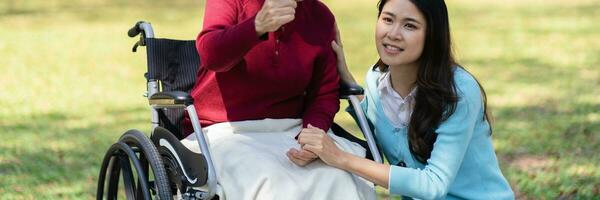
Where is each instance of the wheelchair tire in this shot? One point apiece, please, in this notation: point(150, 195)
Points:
point(133, 148)
point(137, 139)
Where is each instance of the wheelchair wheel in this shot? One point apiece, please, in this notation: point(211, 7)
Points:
point(133, 148)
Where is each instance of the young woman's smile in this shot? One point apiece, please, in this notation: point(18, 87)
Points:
point(392, 49)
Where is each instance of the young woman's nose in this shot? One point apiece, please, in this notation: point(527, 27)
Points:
point(395, 32)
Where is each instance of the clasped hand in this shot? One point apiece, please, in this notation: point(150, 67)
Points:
point(315, 143)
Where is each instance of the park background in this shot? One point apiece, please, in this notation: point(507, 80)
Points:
point(70, 86)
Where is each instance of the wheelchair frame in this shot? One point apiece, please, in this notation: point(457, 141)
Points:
point(133, 142)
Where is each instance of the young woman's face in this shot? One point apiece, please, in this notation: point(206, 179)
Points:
point(400, 33)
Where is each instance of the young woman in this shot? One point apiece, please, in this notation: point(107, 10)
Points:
point(428, 113)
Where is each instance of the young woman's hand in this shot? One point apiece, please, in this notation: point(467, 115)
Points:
point(315, 140)
point(338, 48)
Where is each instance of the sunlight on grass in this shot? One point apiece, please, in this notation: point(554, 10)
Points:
point(71, 86)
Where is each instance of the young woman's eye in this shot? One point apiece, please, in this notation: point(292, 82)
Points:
point(410, 26)
point(387, 20)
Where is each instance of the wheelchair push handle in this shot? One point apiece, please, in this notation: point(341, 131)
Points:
point(134, 31)
point(145, 29)
point(141, 27)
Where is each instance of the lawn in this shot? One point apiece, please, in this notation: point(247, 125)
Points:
point(70, 86)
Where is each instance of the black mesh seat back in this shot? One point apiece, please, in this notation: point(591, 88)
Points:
point(175, 63)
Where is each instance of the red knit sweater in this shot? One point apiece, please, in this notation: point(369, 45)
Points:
point(291, 73)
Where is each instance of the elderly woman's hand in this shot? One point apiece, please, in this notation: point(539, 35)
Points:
point(301, 157)
point(274, 14)
point(317, 141)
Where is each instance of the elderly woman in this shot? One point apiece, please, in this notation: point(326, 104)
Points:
point(268, 71)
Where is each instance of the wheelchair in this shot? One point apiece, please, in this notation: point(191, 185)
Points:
point(159, 166)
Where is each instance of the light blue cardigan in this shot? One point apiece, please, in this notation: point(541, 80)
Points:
point(462, 165)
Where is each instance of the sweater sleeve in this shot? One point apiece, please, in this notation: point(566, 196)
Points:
point(224, 41)
point(323, 91)
point(454, 135)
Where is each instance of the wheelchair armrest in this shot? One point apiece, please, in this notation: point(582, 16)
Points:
point(171, 99)
point(348, 89)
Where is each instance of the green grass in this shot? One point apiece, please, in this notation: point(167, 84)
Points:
point(70, 86)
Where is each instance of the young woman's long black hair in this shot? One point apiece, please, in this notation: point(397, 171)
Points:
point(436, 97)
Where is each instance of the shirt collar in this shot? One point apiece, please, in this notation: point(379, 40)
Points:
point(385, 87)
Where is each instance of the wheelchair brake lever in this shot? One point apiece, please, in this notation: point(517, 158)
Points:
point(135, 46)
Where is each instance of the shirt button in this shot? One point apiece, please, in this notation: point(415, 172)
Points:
point(276, 52)
point(277, 41)
point(401, 164)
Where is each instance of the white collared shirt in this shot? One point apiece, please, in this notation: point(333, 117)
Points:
point(397, 109)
